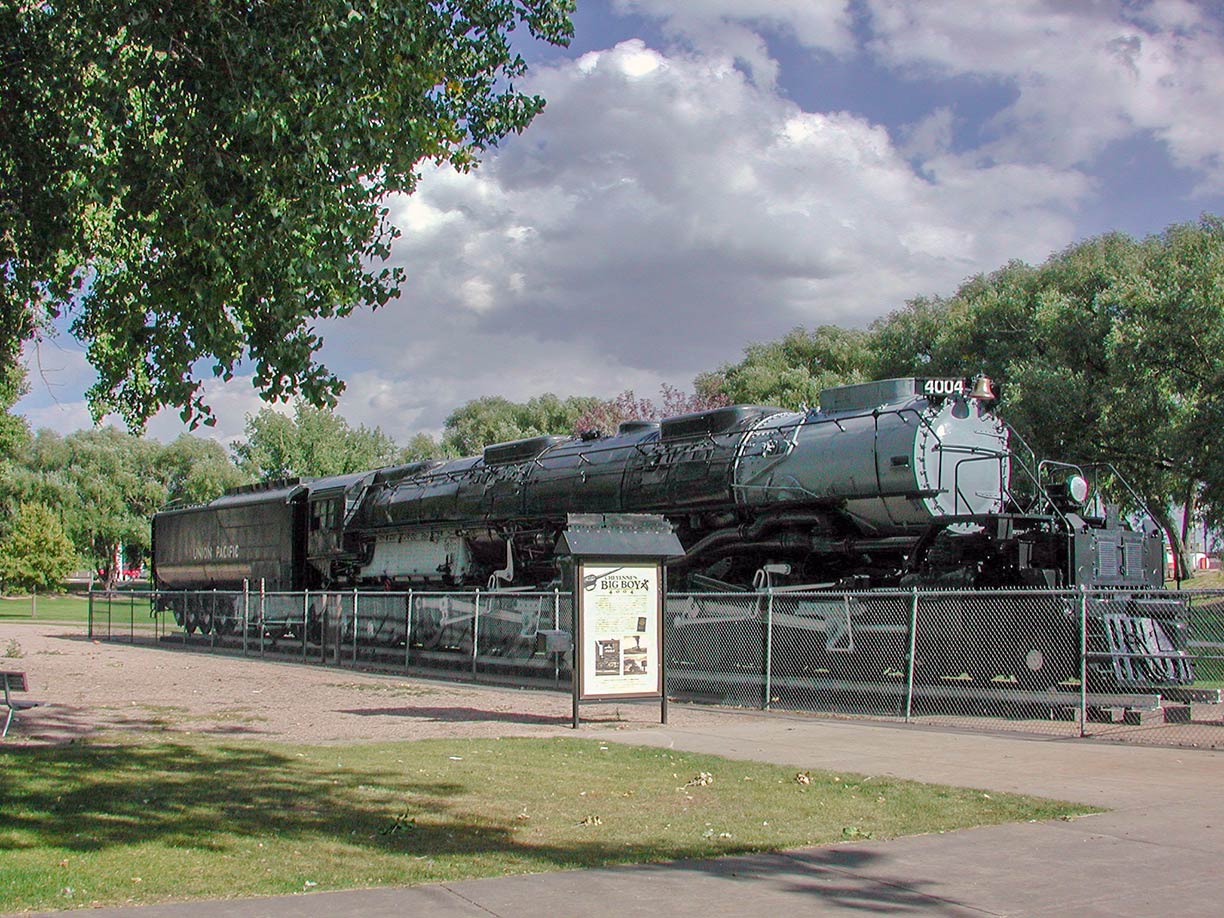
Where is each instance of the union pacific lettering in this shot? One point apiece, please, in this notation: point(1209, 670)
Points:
point(226, 552)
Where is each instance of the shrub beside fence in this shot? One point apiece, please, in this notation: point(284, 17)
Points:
point(1140, 667)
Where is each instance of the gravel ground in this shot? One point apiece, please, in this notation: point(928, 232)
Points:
point(93, 689)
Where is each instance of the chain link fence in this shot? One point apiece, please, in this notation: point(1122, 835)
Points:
point(1135, 667)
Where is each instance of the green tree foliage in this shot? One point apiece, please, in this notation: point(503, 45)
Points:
point(37, 554)
point(1167, 343)
point(1111, 351)
point(313, 442)
point(195, 470)
point(201, 180)
point(792, 371)
point(102, 483)
point(982, 328)
point(422, 446)
point(494, 419)
point(14, 432)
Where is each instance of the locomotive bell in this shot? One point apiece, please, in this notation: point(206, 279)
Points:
point(983, 388)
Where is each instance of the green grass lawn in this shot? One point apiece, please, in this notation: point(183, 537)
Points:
point(142, 823)
point(71, 608)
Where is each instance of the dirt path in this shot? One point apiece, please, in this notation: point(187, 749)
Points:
point(94, 689)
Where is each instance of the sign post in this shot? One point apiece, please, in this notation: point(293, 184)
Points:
point(620, 585)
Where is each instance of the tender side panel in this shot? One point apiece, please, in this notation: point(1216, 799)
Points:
point(219, 545)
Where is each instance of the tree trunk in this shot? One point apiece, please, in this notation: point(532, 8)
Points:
point(1181, 563)
point(112, 566)
point(1191, 507)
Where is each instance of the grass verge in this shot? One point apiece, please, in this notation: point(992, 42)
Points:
point(115, 615)
point(130, 824)
point(71, 608)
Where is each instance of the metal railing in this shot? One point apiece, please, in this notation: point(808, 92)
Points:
point(1138, 667)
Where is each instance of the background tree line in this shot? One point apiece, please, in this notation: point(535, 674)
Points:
point(1110, 351)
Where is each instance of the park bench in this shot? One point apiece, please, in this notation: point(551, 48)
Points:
point(14, 682)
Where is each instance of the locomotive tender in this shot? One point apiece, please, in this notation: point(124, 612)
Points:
point(894, 483)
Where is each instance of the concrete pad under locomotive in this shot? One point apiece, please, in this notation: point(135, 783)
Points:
point(896, 483)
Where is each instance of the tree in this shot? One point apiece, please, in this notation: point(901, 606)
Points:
point(14, 432)
point(494, 419)
point(314, 442)
point(608, 416)
point(984, 327)
point(196, 470)
point(201, 180)
point(792, 371)
point(1108, 352)
point(37, 554)
point(422, 446)
point(103, 484)
point(1168, 342)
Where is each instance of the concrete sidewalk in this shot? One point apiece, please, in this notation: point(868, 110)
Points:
point(1160, 850)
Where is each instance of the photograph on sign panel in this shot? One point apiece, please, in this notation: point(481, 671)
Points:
point(607, 657)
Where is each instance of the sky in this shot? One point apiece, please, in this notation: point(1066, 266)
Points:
point(711, 173)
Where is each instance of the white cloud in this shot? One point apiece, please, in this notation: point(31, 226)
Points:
point(1086, 75)
point(664, 211)
point(732, 28)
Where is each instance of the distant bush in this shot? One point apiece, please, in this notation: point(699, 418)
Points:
point(37, 554)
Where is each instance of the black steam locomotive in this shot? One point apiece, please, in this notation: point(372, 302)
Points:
point(896, 483)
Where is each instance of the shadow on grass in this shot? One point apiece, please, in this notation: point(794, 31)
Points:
point(91, 798)
point(102, 799)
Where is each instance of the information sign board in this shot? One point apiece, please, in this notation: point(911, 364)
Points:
point(620, 630)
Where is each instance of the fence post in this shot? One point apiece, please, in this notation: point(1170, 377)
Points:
point(1083, 660)
point(557, 627)
point(246, 613)
point(909, 657)
point(476, 632)
point(407, 629)
point(131, 618)
point(768, 648)
point(354, 627)
point(90, 614)
point(212, 622)
point(305, 620)
point(324, 623)
point(263, 614)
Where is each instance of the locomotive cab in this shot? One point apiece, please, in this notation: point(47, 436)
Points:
point(331, 505)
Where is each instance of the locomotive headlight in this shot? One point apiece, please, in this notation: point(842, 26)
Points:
point(1070, 494)
point(1077, 489)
